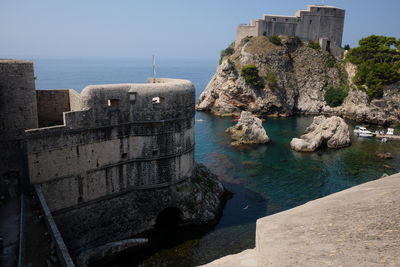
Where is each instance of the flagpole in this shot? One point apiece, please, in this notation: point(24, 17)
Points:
point(154, 69)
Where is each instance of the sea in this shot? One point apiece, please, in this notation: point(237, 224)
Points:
point(264, 179)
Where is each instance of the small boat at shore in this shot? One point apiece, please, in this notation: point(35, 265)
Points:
point(362, 131)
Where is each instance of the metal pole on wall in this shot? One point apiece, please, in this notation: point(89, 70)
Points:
point(154, 69)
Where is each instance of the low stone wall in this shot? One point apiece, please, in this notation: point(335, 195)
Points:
point(61, 249)
point(359, 226)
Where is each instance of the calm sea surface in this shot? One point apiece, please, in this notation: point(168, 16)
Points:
point(265, 179)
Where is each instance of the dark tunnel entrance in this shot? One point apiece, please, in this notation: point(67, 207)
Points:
point(168, 219)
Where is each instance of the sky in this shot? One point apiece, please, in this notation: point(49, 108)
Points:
point(171, 29)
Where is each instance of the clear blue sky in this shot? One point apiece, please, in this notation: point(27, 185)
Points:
point(167, 28)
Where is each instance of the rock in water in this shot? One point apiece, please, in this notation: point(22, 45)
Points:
point(248, 130)
point(384, 155)
point(330, 132)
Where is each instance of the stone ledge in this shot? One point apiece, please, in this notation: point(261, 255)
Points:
point(246, 258)
point(359, 226)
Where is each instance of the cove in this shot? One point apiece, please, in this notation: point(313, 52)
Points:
point(265, 179)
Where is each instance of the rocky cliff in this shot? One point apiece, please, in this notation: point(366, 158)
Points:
point(293, 78)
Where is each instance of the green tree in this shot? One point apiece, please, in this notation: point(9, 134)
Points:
point(334, 97)
point(227, 52)
point(378, 61)
point(250, 74)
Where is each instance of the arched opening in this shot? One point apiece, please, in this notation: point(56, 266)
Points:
point(169, 218)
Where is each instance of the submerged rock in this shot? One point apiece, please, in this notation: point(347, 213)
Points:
point(384, 155)
point(330, 132)
point(248, 130)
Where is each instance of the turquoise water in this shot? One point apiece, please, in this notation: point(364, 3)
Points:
point(265, 179)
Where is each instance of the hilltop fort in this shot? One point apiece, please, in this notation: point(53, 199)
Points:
point(322, 24)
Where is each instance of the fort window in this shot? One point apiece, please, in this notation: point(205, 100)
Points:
point(113, 102)
point(132, 96)
point(157, 100)
point(273, 19)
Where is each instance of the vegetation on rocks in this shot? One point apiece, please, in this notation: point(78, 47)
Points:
point(250, 74)
point(227, 52)
point(378, 61)
point(272, 80)
point(314, 45)
point(334, 96)
point(330, 60)
point(275, 39)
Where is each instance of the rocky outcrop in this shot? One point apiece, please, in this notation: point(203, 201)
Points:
point(248, 130)
point(384, 111)
point(330, 132)
point(302, 75)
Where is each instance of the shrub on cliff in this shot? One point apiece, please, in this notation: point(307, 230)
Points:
point(378, 61)
point(275, 39)
point(250, 74)
point(227, 52)
point(314, 45)
point(272, 80)
point(334, 97)
point(329, 60)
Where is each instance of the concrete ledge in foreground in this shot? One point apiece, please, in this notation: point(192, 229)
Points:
point(359, 226)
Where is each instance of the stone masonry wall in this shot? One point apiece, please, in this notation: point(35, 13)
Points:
point(122, 142)
point(117, 143)
point(309, 25)
point(17, 113)
point(51, 105)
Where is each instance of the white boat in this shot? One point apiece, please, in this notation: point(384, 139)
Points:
point(357, 129)
point(363, 132)
point(390, 131)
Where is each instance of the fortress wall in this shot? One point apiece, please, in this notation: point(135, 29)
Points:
point(320, 22)
point(309, 25)
point(245, 30)
point(109, 163)
point(73, 174)
point(18, 112)
point(51, 104)
point(121, 216)
point(18, 109)
point(85, 159)
point(75, 100)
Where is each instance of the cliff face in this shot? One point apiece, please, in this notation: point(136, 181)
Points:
point(293, 78)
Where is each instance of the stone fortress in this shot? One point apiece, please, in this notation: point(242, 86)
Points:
point(107, 161)
point(319, 23)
